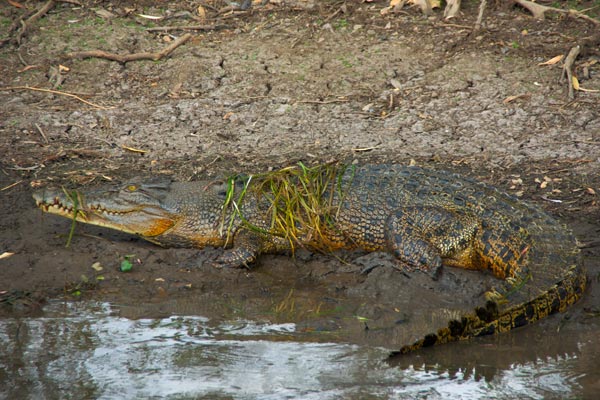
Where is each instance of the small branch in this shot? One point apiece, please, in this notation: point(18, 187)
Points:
point(452, 8)
point(186, 28)
point(425, 6)
point(321, 101)
point(27, 19)
point(42, 133)
point(9, 186)
point(482, 6)
point(447, 25)
point(55, 92)
point(539, 10)
point(568, 69)
point(132, 57)
point(41, 12)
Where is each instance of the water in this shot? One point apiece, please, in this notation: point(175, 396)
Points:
point(80, 351)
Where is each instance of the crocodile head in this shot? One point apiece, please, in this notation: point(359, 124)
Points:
point(137, 208)
point(183, 214)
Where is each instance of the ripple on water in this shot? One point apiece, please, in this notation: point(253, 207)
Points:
point(87, 351)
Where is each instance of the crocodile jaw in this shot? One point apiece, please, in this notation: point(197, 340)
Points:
point(143, 220)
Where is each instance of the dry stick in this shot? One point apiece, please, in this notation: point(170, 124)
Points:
point(321, 101)
point(452, 8)
point(132, 57)
point(186, 28)
point(568, 69)
point(41, 12)
point(482, 6)
point(447, 25)
point(55, 92)
point(425, 6)
point(11, 185)
point(538, 11)
point(42, 133)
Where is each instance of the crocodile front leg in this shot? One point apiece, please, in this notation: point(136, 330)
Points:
point(422, 236)
point(247, 245)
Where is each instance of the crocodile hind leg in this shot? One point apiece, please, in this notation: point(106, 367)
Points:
point(423, 237)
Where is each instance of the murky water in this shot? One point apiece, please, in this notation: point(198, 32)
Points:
point(85, 351)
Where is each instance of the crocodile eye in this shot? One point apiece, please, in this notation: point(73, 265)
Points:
point(132, 188)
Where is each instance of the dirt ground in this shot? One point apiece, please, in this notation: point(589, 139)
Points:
point(266, 88)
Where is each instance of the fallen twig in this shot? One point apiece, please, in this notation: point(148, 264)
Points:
point(447, 25)
point(452, 8)
point(482, 6)
point(539, 10)
point(11, 185)
point(41, 12)
point(132, 57)
point(321, 101)
point(568, 69)
point(42, 133)
point(186, 28)
point(55, 92)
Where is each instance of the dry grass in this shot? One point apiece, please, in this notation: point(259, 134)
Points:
point(300, 199)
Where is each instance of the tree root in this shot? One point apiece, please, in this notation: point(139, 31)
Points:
point(539, 11)
point(132, 57)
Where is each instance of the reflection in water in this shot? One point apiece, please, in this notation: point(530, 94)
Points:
point(76, 352)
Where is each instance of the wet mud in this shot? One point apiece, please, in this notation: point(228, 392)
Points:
point(276, 86)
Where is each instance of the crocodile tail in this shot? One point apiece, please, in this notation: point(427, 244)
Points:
point(488, 320)
point(555, 299)
point(542, 274)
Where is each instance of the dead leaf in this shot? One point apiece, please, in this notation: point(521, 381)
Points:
point(515, 183)
point(543, 185)
point(6, 254)
point(101, 12)
point(590, 190)
point(15, 4)
point(201, 13)
point(27, 68)
point(395, 5)
point(97, 267)
point(575, 82)
point(516, 97)
point(153, 17)
point(553, 60)
point(133, 150)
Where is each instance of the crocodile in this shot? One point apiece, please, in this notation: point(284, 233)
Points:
point(427, 218)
